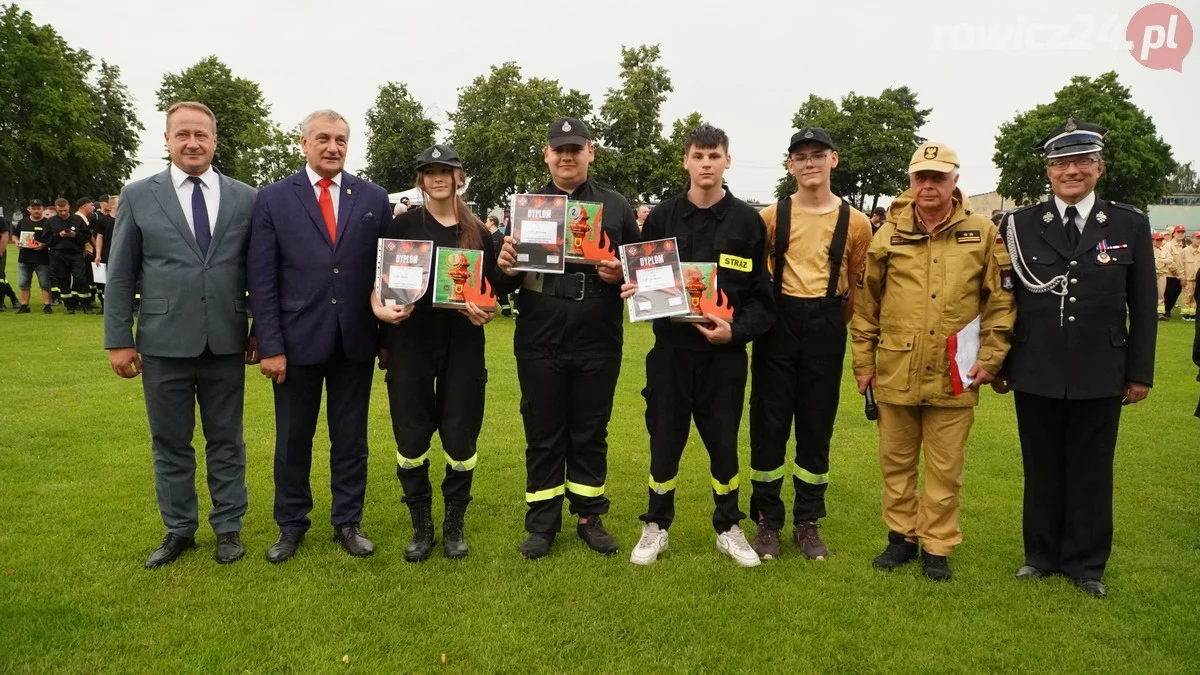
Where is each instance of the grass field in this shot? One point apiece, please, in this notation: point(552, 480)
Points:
point(78, 517)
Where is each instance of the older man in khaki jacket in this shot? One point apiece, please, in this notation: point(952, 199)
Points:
point(934, 271)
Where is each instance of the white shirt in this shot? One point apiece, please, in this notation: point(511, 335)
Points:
point(1084, 207)
point(335, 190)
point(210, 185)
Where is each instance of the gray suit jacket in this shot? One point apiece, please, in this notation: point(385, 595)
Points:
point(188, 300)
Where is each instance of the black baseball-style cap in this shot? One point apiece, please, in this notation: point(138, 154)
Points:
point(811, 135)
point(439, 154)
point(567, 131)
point(35, 202)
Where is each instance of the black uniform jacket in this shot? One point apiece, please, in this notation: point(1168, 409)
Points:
point(1105, 337)
point(728, 228)
point(417, 335)
point(551, 326)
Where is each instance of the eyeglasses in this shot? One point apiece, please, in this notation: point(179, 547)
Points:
point(1064, 162)
point(817, 159)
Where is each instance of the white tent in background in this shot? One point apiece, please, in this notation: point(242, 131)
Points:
point(414, 196)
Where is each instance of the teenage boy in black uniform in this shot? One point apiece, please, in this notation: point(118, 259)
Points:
point(568, 348)
point(34, 259)
point(68, 268)
point(698, 371)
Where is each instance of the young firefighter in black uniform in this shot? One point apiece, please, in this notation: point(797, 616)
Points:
point(1083, 347)
point(568, 348)
point(68, 268)
point(698, 371)
point(434, 360)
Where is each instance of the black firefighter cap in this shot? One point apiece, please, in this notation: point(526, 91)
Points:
point(567, 131)
point(1073, 138)
point(811, 135)
point(439, 154)
point(35, 202)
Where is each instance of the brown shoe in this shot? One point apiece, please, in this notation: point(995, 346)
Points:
point(808, 539)
point(766, 542)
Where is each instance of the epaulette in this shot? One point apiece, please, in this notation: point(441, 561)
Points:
point(1128, 207)
point(1025, 208)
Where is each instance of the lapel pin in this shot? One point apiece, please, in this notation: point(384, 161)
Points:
point(348, 191)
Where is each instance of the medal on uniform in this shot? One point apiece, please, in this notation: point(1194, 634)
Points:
point(1103, 257)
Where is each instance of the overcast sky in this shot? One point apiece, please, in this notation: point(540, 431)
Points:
point(746, 66)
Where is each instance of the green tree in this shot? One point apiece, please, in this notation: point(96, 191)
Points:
point(243, 125)
point(48, 121)
point(669, 174)
point(875, 137)
point(629, 128)
point(500, 129)
point(1183, 180)
point(397, 131)
point(1137, 160)
point(118, 127)
point(279, 156)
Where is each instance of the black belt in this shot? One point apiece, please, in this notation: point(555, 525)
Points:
point(835, 301)
point(576, 286)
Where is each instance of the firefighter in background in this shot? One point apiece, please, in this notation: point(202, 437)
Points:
point(1191, 266)
point(436, 374)
point(932, 270)
point(1162, 269)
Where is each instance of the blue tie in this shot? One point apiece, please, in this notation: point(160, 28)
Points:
point(200, 215)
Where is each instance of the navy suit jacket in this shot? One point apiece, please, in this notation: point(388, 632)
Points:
point(304, 288)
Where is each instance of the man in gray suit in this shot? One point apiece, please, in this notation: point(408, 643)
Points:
point(183, 234)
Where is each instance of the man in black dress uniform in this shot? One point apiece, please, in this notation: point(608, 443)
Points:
point(1083, 346)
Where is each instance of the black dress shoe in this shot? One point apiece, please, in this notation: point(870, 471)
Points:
point(285, 546)
point(172, 547)
point(1031, 572)
point(1093, 587)
point(352, 538)
point(229, 548)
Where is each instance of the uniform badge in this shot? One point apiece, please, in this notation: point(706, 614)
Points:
point(808, 134)
point(931, 152)
point(348, 191)
point(1100, 217)
point(1006, 281)
point(435, 154)
point(1071, 126)
point(1048, 218)
point(566, 126)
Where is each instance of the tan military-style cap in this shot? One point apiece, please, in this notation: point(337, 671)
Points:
point(933, 156)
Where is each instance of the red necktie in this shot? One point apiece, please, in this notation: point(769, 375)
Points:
point(326, 203)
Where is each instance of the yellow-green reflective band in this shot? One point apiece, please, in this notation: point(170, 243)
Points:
point(768, 476)
point(725, 488)
point(585, 490)
point(406, 463)
point(662, 488)
point(810, 477)
point(543, 495)
point(465, 465)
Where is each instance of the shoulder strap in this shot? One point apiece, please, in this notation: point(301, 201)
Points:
point(837, 248)
point(783, 234)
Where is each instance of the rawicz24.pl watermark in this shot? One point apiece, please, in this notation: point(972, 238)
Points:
point(1157, 36)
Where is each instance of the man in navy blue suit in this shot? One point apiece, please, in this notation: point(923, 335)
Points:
point(311, 268)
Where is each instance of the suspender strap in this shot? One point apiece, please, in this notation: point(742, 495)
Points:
point(837, 248)
point(783, 235)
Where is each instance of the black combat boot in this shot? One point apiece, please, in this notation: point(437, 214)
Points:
point(454, 542)
point(422, 540)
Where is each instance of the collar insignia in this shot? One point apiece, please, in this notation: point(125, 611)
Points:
point(1048, 217)
point(1101, 217)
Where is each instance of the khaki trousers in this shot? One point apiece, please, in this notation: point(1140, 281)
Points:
point(932, 516)
point(1162, 290)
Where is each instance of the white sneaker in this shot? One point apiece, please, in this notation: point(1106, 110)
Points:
point(653, 542)
point(735, 545)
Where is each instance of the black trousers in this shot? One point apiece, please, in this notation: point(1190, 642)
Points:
point(439, 388)
point(566, 403)
point(797, 379)
point(297, 404)
point(1067, 449)
point(1171, 294)
point(708, 386)
point(69, 273)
